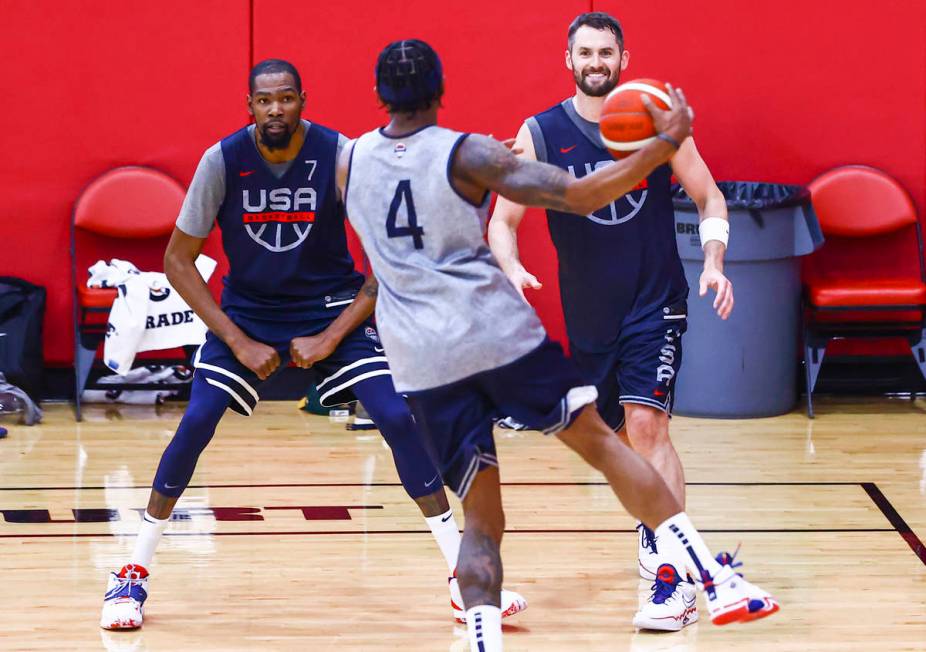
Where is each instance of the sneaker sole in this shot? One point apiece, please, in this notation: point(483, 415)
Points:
point(121, 625)
point(668, 624)
point(514, 608)
point(770, 607)
point(733, 613)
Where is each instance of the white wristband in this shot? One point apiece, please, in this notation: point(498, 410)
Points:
point(714, 228)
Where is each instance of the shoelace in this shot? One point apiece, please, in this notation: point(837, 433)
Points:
point(649, 538)
point(726, 559)
point(662, 591)
point(125, 590)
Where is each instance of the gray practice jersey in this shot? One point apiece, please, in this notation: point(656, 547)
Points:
point(445, 309)
point(207, 190)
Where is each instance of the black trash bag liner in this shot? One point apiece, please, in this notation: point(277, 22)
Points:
point(750, 195)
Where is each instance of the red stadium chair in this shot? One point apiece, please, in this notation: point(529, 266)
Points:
point(855, 203)
point(128, 213)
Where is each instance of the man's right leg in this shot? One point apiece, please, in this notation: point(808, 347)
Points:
point(127, 589)
point(644, 494)
point(479, 569)
point(639, 488)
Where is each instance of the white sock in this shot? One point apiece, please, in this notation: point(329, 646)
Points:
point(682, 546)
point(148, 536)
point(447, 534)
point(484, 624)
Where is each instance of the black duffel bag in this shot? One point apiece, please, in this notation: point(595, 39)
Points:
point(22, 308)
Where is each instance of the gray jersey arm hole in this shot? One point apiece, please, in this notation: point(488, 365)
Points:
point(342, 141)
point(205, 195)
point(540, 143)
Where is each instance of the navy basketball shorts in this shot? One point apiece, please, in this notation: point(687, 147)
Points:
point(542, 389)
point(359, 356)
point(642, 366)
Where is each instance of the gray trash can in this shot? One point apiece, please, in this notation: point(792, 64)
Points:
point(746, 366)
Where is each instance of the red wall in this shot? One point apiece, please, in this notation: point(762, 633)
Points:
point(781, 92)
point(97, 84)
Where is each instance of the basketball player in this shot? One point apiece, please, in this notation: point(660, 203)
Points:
point(271, 187)
point(621, 280)
point(465, 347)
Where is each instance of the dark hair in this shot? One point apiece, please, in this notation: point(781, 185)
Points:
point(596, 20)
point(409, 76)
point(271, 66)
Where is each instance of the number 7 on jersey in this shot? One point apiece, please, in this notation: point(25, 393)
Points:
point(403, 195)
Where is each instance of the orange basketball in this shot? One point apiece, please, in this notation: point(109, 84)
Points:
point(625, 124)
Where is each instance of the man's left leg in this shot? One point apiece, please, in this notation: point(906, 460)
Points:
point(421, 479)
point(672, 604)
point(649, 360)
point(648, 432)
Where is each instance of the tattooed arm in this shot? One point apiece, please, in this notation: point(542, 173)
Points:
point(483, 163)
point(308, 350)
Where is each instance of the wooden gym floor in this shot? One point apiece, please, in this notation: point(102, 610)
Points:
point(297, 535)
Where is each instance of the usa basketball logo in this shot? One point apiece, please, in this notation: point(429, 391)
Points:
point(630, 204)
point(372, 334)
point(399, 150)
point(288, 221)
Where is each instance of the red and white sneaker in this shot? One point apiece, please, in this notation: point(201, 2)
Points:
point(511, 603)
point(124, 602)
point(672, 605)
point(761, 603)
point(731, 599)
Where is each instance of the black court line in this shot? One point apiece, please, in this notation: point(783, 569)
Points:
point(399, 484)
point(897, 522)
point(83, 535)
point(895, 519)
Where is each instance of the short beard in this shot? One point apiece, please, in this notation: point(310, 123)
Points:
point(595, 91)
point(274, 142)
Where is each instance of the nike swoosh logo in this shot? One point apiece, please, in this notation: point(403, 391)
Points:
point(566, 150)
point(378, 350)
point(170, 486)
point(448, 517)
point(245, 174)
point(433, 480)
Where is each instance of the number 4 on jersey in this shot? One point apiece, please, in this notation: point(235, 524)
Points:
point(403, 194)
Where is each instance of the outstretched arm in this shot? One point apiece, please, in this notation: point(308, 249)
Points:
point(483, 162)
point(503, 227)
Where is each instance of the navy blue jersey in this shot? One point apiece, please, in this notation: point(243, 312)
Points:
point(284, 237)
point(619, 264)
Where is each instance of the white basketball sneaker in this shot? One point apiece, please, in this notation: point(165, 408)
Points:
point(511, 602)
point(730, 598)
point(124, 602)
point(646, 553)
point(761, 603)
point(672, 605)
